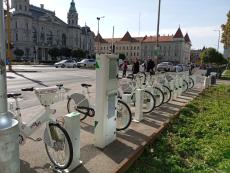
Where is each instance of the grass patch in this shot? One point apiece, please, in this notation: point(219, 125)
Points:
point(226, 75)
point(197, 142)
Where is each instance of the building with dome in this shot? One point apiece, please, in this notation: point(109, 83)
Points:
point(35, 30)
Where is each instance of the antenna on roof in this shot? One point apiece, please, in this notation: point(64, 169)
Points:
point(139, 29)
point(112, 49)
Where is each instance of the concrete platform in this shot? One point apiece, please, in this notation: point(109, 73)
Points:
point(118, 156)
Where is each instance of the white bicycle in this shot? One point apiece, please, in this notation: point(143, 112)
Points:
point(58, 144)
point(82, 103)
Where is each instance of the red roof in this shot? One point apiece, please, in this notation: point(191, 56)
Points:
point(154, 39)
point(127, 38)
point(178, 34)
point(187, 39)
point(99, 38)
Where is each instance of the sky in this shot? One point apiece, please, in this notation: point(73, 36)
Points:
point(200, 18)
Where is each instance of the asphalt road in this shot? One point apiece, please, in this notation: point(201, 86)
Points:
point(42, 76)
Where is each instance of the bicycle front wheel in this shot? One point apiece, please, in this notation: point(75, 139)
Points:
point(158, 95)
point(59, 147)
point(167, 94)
point(124, 116)
point(184, 86)
point(149, 102)
point(191, 83)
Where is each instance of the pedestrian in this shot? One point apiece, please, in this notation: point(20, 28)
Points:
point(136, 67)
point(125, 66)
point(145, 64)
point(150, 66)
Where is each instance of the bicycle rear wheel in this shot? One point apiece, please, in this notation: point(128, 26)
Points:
point(77, 102)
point(124, 115)
point(61, 152)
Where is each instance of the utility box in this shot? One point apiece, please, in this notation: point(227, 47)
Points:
point(106, 99)
point(72, 125)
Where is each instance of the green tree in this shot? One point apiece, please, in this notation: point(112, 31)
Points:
point(66, 52)
point(18, 52)
point(226, 32)
point(54, 53)
point(122, 56)
point(79, 54)
point(212, 56)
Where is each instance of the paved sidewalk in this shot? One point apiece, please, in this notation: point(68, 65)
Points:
point(116, 157)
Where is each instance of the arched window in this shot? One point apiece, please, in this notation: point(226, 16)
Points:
point(63, 40)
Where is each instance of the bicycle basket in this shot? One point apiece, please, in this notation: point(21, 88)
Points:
point(50, 95)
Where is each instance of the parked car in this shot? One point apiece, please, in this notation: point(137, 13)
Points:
point(86, 63)
point(178, 68)
point(66, 63)
point(183, 67)
point(165, 66)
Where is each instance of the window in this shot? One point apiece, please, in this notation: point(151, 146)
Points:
point(137, 47)
point(20, 7)
point(134, 47)
point(63, 40)
point(134, 54)
point(137, 53)
point(16, 36)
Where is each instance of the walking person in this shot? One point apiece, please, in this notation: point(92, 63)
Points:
point(150, 66)
point(125, 66)
point(136, 67)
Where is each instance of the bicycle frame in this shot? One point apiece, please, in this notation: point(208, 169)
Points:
point(27, 129)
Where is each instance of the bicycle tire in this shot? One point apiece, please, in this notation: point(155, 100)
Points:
point(69, 160)
point(129, 116)
point(162, 94)
point(191, 81)
point(186, 84)
point(151, 98)
point(169, 92)
point(83, 114)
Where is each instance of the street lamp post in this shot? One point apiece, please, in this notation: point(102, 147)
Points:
point(158, 28)
point(9, 130)
point(218, 44)
point(98, 27)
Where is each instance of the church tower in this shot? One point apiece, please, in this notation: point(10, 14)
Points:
point(72, 15)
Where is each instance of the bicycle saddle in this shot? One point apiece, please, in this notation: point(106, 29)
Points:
point(13, 95)
point(85, 85)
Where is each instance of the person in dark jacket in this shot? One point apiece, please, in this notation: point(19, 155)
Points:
point(136, 67)
point(150, 66)
point(125, 66)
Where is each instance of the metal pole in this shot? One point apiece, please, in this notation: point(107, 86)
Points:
point(158, 27)
point(9, 131)
point(218, 41)
point(98, 20)
point(218, 44)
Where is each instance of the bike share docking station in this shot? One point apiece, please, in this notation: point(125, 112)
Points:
point(106, 99)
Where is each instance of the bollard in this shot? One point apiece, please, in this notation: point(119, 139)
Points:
point(9, 146)
point(72, 126)
point(139, 103)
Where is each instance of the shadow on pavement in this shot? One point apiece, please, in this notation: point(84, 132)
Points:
point(25, 167)
point(32, 80)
